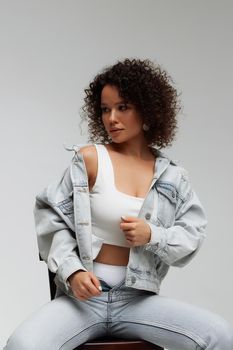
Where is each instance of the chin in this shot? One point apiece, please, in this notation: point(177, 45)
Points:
point(115, 140)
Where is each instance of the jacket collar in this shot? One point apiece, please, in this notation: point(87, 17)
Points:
point(162, 162)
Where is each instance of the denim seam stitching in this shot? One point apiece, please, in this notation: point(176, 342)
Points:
point(200, 342)
point(83, 330)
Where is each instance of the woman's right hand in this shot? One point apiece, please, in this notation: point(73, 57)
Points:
point(84, 285)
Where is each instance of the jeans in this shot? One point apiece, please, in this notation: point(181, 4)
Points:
point(66, 322)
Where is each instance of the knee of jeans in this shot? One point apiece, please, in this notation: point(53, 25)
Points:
point(19, 341)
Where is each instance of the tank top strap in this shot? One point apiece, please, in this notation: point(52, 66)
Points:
point(105, 175)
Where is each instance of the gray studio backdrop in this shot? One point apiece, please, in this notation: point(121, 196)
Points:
point(50, 50)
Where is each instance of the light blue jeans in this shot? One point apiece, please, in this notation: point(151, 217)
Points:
point(123, 312)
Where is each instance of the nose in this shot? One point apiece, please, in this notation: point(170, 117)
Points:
point(113, 115)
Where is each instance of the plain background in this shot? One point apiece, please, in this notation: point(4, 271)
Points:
point(50, 50)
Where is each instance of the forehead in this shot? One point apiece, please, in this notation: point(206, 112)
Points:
point(110, 94)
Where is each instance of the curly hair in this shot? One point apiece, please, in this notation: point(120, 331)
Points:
point(145, 85)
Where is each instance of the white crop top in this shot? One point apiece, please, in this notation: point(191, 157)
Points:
point(108, 204)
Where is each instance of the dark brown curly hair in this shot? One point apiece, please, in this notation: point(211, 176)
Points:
point(144, 84)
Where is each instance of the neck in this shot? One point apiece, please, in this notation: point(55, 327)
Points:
point(135, 149)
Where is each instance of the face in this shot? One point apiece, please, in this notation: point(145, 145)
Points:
point(121, 119)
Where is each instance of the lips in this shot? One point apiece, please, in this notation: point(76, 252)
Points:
point(112, 130)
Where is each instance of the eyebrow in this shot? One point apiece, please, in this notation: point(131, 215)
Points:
point(117, 103)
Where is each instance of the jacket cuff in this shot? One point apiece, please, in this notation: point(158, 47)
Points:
point(66, 269)
point(157, 240)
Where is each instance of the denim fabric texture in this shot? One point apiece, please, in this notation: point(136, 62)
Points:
point(133, 308)
point(122, 312)
point(66, 243)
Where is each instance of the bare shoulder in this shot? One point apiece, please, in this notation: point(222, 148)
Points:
point(90, 158)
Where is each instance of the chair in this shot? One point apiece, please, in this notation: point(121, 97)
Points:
point(107, 343)
point(117, 344)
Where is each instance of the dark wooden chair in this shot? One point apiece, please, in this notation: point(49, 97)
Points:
point(118, 344)
point(108, 343)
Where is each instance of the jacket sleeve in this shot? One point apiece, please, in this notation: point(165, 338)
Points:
point(178, 244)
point(56, 237)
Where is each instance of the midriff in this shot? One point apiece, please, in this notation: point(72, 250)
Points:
point(113, 255)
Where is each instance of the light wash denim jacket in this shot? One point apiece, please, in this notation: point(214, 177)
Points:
point(171, 208)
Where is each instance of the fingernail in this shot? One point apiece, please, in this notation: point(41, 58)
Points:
point(123, 217)
point(100, 288)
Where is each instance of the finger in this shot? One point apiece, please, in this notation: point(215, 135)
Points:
point(93, 290)
point(87, 286)
point(85, 292)
point(131, 244)
point(95, 282)
point(126, 229)
point(127, 226)
point(80, 295)
point(129, 234)
point(129, 218)
point(87, 289)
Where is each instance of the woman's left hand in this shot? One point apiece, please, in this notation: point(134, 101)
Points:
point(137, 231)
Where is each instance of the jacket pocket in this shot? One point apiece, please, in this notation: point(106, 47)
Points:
point(67, 207)
point(167, 202)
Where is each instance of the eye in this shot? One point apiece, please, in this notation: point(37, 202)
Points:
point(123, 107)
point(104, 110)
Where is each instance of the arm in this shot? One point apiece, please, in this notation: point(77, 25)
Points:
point(177, 234)
point(178, 244)
point(56, 238)
point(54, 219)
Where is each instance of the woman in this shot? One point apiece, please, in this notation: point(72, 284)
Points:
point(119, 217)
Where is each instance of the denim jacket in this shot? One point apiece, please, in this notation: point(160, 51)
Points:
point(171, 208)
